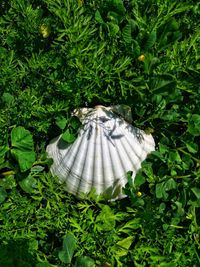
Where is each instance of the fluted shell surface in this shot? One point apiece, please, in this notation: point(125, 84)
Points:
point(106, 148)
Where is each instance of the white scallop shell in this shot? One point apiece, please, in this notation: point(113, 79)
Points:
point(106, 148)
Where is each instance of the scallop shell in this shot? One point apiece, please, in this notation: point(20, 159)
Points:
point(107, 147)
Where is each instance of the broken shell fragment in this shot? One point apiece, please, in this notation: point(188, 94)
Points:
point(107, 147)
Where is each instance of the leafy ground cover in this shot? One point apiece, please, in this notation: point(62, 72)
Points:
point(57, 55)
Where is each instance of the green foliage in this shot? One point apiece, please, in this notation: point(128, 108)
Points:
point(69, 244)
point(18, 253)
point(194, 125)
point(71, 132)
point(3, 194)
point(22, 148)
point(84, 262)
point(28, 184)
point(57, 56)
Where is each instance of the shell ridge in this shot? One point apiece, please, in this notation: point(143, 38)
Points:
point(143, 143)
point(98, 156)
point(108, 137)
point(95, 153)
point(81, 159)
point(107, 132)
point(144, 151)
point(129, 161)
point(83, 166)
point(112, 163)
point(149, 141)
point(122, 165)
point(107, 161)
point(138, 134)
point(130, 145)
point(129, 164)
point(67, 169)
point(116, 166)
point(103, 148)
point(88, 170)
point(71, 157)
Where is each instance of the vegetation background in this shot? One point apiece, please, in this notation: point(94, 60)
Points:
point(57, 55)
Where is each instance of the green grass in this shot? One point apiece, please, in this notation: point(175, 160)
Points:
point(57, 55)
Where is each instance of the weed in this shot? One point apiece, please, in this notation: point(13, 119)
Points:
point(60, 55)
